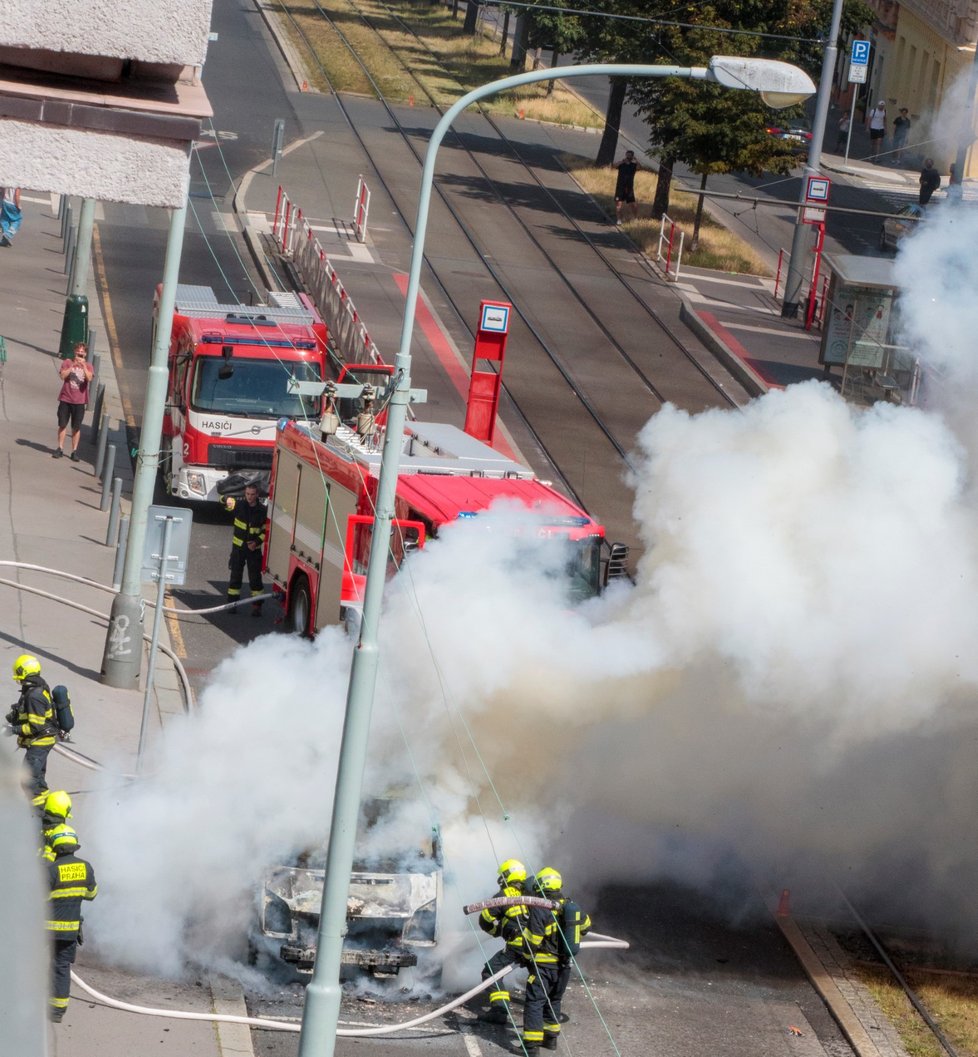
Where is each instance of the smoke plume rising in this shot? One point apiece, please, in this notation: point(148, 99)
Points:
point(791, 681)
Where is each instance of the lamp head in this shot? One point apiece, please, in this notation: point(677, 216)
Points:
point(779, 84)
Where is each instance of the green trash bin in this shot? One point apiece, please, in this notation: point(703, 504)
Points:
point(74, 326)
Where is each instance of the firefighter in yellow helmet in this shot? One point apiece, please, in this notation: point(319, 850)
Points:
point(553, 938)
point(505, 923)
point(57, 830)
point(32, 720)
point(71, 879)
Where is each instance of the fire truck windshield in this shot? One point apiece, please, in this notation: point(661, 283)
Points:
point(253, 388)
point(584, 568)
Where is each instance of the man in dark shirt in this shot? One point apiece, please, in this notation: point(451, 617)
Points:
point(930, 180)
point(625, 187)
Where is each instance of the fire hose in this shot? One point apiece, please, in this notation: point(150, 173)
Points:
point(595, 941)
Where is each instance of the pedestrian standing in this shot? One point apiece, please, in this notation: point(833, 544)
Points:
point(76, 377)
point(247, 540)
point(930, 180)
point(625, 188)
point(901, 130)
point(504, 923)
point(877, 128)
point(32, 720)
point(843, 134)
point(70, 879)
point(10, 214)
point(553, 938)
point(954, 188)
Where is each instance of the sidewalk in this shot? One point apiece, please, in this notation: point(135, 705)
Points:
point(52, 518)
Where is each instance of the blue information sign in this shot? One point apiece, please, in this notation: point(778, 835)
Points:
point(860, 53)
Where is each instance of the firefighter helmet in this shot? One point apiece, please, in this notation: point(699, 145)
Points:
point(548, 880)
point(512, 871)
point(58, 803)
point(26, 665)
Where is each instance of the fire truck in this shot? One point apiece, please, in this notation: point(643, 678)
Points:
point(229, 370)
point(324, 485)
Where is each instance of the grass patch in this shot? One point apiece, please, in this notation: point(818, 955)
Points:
point(442, 65)
point(718, 248)
point(951, 1000)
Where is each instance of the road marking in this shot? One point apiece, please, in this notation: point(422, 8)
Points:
point(173, 627)
point(110, 326)
point(807, 336)
point(471, 1046)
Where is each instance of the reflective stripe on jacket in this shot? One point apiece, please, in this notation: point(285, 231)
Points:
point(544, 941)
point(33, 715)
point(249, 523)
point(72, 880)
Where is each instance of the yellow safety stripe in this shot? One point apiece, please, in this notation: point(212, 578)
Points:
point(37, 720)
point(533, 1036)
point(39, 742)
point(545, 959)
point(553, 1028)
point(73, 893)
point(63, 926)
point(498, 996)
point(58, 1003)
point(535, 938)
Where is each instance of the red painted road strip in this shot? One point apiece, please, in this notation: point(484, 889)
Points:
point(457, 374)
point(737, 349)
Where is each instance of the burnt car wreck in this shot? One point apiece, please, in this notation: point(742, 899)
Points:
point(391, 910)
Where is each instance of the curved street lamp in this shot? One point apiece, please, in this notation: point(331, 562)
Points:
point(779, 85)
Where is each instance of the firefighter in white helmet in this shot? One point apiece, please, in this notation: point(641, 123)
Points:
point(505, 923)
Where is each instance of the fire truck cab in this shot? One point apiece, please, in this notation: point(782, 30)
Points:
point(229, 369)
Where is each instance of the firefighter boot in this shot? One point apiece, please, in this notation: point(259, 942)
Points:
point(531, 1049)
point(550, 1042)
point(256, 609)
point(497, 1013)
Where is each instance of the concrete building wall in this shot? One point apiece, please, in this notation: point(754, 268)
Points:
point(156, 31)
point(91, 164)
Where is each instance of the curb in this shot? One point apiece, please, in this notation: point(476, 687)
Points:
point(738, 367)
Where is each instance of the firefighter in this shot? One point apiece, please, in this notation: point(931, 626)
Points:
point(32, 720)
point(71, 880)
point(246, 544)
point(553, 938)
point(505, 923)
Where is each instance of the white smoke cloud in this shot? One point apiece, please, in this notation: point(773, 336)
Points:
point(790, 681)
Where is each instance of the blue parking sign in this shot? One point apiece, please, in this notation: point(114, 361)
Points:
point(860, 53)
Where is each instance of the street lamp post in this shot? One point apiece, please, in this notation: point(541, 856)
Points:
point(780, 84)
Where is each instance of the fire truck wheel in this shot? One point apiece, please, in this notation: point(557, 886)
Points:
point(300, 606)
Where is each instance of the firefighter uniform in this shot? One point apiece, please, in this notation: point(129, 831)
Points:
point(246, 545)
point(71, 880)
point(32, 720)
point(551, 937)
point(504, 923)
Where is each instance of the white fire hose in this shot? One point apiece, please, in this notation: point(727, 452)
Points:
point(596, 940)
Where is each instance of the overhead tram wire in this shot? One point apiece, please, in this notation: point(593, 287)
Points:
point(554, 359)
point(581, 233)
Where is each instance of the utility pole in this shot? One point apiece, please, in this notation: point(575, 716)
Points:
point(123, 656)
point(74, 325)
point(801, 239)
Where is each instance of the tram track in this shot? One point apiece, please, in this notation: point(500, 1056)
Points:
point(588, 382)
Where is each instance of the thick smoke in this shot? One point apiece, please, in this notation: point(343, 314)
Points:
point(789, 683)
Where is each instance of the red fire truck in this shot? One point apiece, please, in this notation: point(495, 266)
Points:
point(230, 366)
point(324, 489)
